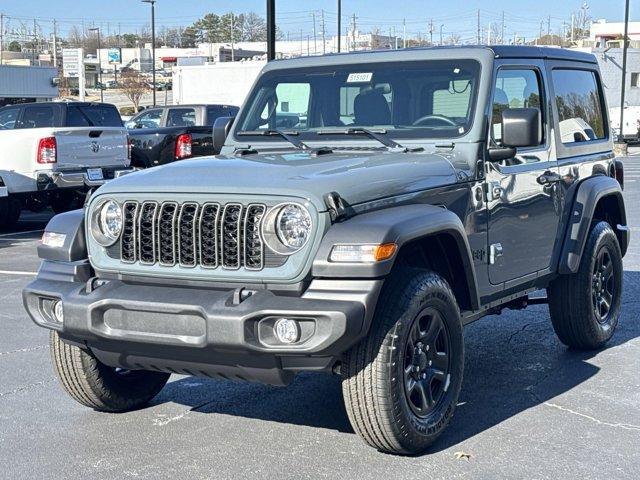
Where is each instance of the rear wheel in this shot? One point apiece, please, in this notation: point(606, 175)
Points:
point(401, 383)
point(585, 306)
point(98, 386)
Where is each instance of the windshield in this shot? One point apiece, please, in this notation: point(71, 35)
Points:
point(433, 99)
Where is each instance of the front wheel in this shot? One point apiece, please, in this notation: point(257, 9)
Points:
point(585, 306)
point(401, 383)
point(96, 385)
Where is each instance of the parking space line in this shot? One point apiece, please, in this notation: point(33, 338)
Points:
point(17, 272)
point(22, 233)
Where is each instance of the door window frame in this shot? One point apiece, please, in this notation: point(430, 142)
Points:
point(547, 117)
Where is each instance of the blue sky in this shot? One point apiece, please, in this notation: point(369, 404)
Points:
point(457, 16)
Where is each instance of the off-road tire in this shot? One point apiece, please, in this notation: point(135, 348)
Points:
point(10, 210)
point(373, 371)
point(571, 297)
point(98, 386)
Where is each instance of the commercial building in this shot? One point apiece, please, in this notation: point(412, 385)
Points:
point(27, 84)
point(603, 33)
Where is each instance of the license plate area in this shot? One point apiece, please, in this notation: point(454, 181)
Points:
point(95, 174)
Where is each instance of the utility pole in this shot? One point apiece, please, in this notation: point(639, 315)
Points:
point(549, 26)
point(404, 33)
point(339, 25)
point(153, 47)
point(55, 44)
point(315, 40)
point(489, 35)
point(573, 26)
point(97, 30)
point(394, 38)
point(233, 58)
point(1, 35)
point(478, 33)
point(353, 32)
point(302, 44)
point(431, 32)
point(35, 40)
point(624, 68)
point(271, 30)
point(441, 42)
point(324, 41)
point(502, 30)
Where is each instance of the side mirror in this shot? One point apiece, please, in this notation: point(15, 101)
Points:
point(221, 128)
point(521, 127)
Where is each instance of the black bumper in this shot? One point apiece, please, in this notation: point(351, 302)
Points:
point(202, 331)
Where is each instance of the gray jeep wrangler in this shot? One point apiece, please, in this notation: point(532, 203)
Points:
point(364, 208)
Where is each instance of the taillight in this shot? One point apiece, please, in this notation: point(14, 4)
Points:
point(47, 150)
point(183, 146)
point(129, 147)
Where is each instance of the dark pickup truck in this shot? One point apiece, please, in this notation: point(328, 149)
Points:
point(166, 134)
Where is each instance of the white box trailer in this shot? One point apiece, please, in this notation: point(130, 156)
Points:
point(631, 130)
point(225, 83)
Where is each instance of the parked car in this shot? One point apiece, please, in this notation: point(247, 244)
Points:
point(631, 123)
point(426, 189)
point(52, 153)
point(163, 135)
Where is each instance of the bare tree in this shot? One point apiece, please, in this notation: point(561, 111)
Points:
point(133, 86)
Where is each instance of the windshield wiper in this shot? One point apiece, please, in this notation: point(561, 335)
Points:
point(377, 135)
point(289, 137)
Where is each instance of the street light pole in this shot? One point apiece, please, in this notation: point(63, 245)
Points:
point(153, 47)
point(339, 24)
point(97, 30)
point(624, 69)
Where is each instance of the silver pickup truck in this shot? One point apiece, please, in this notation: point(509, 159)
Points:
point(52, 153)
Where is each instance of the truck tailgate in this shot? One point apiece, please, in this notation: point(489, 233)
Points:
point(83, 147)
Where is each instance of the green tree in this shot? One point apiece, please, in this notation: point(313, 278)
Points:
point(14, 47)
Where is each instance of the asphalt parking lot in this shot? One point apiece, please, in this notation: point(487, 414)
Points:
point(529, 408)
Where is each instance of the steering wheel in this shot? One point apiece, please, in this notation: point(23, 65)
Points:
point(422, 121)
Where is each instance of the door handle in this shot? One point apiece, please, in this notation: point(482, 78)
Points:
point(548, 177)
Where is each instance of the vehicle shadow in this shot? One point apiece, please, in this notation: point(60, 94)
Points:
point(513, 362)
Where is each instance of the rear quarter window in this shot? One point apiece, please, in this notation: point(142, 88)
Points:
point(580, 108)
point(215, 112)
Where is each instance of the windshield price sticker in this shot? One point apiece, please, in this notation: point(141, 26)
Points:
point(363, 77)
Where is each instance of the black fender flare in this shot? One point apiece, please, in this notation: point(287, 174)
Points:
point(589, 192)
point(74, 248)
point(399, 225)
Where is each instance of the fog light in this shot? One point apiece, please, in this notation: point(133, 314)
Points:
point(58, 311)
point(287, 330)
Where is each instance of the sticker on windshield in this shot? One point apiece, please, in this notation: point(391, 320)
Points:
point(362, 77)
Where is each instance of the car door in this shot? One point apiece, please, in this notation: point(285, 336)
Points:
point(521, 192)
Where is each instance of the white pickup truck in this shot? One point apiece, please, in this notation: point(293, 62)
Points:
point(51, 154)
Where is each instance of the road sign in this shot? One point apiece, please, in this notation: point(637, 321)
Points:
point(72, 62)
point(115, 55)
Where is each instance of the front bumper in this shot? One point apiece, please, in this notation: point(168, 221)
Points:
point(78, 178)
point(202, 331)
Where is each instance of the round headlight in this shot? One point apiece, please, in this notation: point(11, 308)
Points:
point(293, 226)
point(107, 218)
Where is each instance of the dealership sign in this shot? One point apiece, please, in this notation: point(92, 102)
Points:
point(115, 55)
point(72, 62)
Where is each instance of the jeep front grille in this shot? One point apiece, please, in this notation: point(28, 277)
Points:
point(189, 234)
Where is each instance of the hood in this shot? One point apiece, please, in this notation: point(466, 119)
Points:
point(357, 178)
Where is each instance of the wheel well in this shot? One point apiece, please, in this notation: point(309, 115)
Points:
point(439, 253)
point(609, 210)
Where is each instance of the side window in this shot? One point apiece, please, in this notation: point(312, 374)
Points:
point(8, 118)
point(514, 89)
point(150, 119)
point(181, 117)
point(215, 112)
point(37, 117)
point(580, 115)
